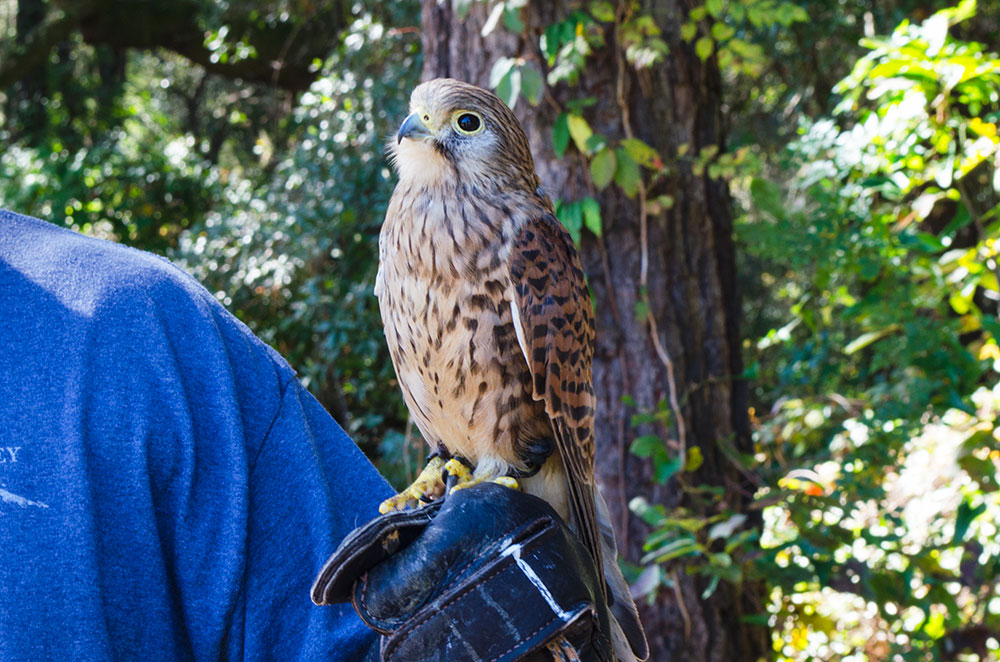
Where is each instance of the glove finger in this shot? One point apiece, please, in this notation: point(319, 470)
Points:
point(365, 548)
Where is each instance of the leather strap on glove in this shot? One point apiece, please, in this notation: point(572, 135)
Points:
point(487, 575)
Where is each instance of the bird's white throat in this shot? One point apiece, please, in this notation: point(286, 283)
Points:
point(418, 163)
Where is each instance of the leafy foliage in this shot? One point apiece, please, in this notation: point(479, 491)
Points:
point(888, 348)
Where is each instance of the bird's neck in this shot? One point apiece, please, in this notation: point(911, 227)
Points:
point(464, 224)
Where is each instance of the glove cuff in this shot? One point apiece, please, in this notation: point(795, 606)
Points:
point(475, 620)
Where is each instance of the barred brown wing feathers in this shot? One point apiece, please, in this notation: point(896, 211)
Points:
point(555, 315)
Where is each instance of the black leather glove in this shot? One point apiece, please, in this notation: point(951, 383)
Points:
point(489, 574)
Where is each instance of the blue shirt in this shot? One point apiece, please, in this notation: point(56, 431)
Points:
point(168, 490)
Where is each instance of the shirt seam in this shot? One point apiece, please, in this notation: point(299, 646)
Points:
point(283, 392)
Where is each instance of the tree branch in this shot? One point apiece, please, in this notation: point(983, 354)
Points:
point(285, 50)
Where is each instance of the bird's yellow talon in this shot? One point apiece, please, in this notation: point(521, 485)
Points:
point(427, 486)
point(458, 469)
point(506, 481)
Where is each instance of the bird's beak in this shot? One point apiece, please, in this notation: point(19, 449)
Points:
point(413, 127)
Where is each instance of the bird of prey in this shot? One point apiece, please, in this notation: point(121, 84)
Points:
point(489, 321)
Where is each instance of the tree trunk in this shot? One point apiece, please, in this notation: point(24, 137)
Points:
point(689, 283)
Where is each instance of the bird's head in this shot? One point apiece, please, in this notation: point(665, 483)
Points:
point(459, 132)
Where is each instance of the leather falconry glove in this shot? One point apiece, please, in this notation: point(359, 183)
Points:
point(487, 574)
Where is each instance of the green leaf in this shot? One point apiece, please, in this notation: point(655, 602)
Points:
point(602, 168)
point(646, 445)
point(662, 471)
point(509, 88)
point(727, 528)
point(741, 537)
point(592, 216)
point(560, 135)
point(720, 559)
point(714, 7)
point(688, 31)
point(963, 519)
point(595, 143)
point(959, 303)
point(603, 11)
point(505, 79)
point(571, 216)
point(660, 204)
point(627, 173)
point(641, 310)
point(550, 42)
point(712, 585)
point(767, 198)
point(866, 339)
point(532, 84)
point(503, 88)
point(935, 627)
point(673, 550)
point(721, 31)
point(642, 153)
point(651, 514)
point(785, 13)
point(512, 20)
point(703, 48)
point(694, 459)
point(462, 8)
point(722, 566)
point(692, 524)
point(580, 130)
point(500, 69)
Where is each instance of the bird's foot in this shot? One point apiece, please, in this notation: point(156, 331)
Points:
point(460, 476)
point(428, 486)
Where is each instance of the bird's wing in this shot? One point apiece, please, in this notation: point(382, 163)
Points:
point(554, 323)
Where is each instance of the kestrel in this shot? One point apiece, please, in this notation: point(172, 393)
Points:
point(489, 320)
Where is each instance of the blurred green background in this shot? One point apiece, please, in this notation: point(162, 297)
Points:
point(245, 142)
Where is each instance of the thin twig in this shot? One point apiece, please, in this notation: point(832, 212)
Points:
point(661, 352)
point(680, 605)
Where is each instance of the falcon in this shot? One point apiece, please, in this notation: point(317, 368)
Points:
point(489, 322)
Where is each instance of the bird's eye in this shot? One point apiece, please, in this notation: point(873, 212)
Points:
point(468, 123)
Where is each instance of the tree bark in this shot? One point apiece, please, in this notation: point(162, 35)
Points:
point(690, 290)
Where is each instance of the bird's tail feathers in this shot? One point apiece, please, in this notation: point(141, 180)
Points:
point(627, 633)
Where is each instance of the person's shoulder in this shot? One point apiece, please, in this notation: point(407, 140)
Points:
point(86, 272)
point(115, 285)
